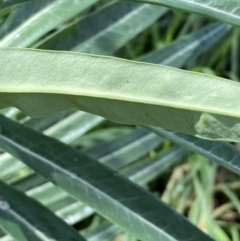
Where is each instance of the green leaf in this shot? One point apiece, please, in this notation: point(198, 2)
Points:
point(150, 169)
point(43, 21)
point(106, 30)
point(106, 191)
point(10, 113)
point(21, 13)
point(224, 10)
point(116, 154)
point(19, 216)
point(182, 51)
point(4, 12)
point(104, 232)
point(6, 4)
point(42, 124)
point(223, 153)
point(72, 211)
point(73, 126)
point(66, 130)
point(126, 149)
point(119, 90)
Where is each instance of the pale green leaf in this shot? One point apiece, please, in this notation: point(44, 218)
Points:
point(123, 91)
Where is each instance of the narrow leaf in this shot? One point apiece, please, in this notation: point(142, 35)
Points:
point(67, 130)
point(21, 13)
point(10, 3)
point(42, 124)
point(223, 153)
point(186, 49)
point(156, 166)
point(27, 220)
point(116, 154)
point(120, 90)
point(44, 21)
point(224, 10)
point(104, 190)
point(106, 30)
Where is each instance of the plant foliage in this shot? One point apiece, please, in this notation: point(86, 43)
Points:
point(63, 155)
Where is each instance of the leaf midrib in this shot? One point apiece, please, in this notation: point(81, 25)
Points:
point(67, 173)
point(131, 100)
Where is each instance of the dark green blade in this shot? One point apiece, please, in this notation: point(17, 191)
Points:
point(221, 152)
point(27, 220)
point(223, 10)
point(106, 30)
point(11, 3)
point(187, 49)
point(106, 191)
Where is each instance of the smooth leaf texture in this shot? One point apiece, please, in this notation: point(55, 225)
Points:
point(147, 171)
point(19, 216)
point(106, 191)
point(186, 49)
point(117, 154)
point(21, 13)
point(221, 152)
point(104, 232)
point(123, 91)
point(67, 130)
point(178, 56)
point(106, 30)
point(44, 21)
point(224, 10)
point(42, 124)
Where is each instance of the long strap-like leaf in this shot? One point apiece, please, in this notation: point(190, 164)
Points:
point(184, 50)
point(43, 21)
point(221, 152)
point(224, 10)
point(44, 82)
point(104, 31)
point(27, 220)
point(21, 13)
point(110, 194)
point(146, 171)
